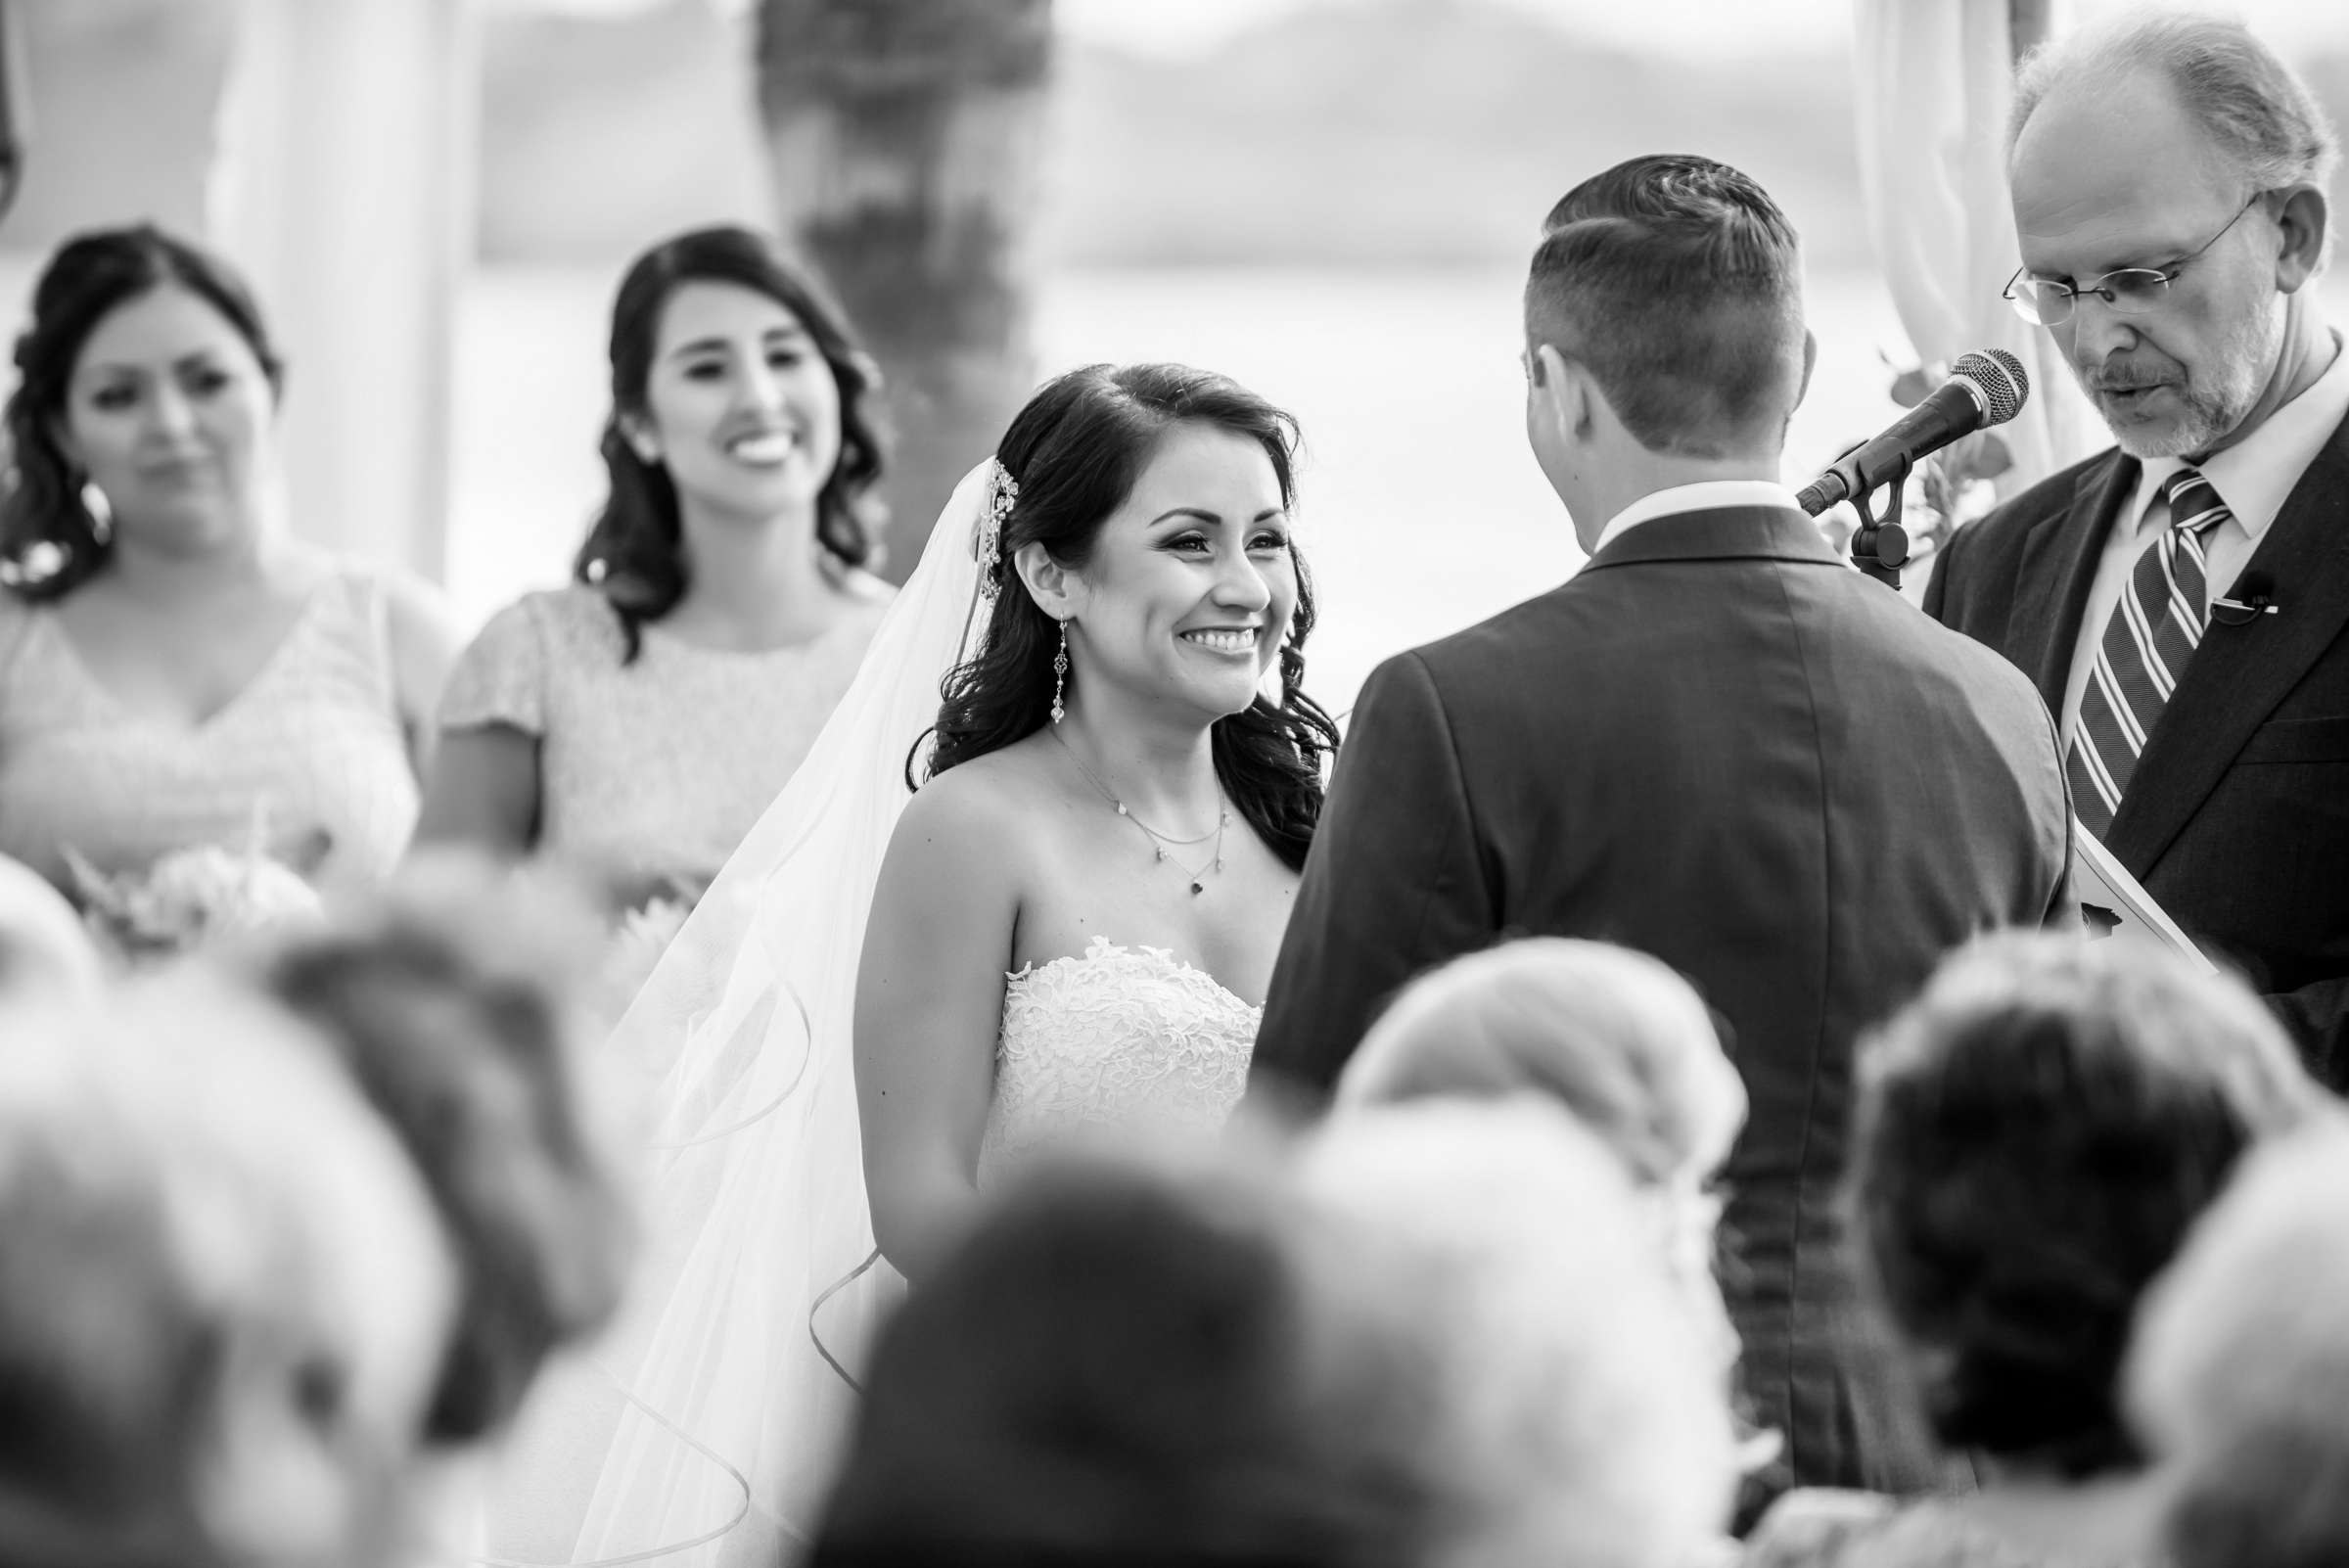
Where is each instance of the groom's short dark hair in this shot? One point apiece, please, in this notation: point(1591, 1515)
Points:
point(1678, 283)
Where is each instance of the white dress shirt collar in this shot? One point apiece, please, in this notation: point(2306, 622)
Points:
point(2255, 476)
point(1711, 496)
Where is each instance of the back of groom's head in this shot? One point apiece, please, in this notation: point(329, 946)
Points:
point(1678, 283)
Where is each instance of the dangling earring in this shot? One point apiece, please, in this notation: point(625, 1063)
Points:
point(101, 511)
point(1060, 675)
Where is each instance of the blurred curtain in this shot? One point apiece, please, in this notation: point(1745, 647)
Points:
point(1933, 81)
point(343, 184)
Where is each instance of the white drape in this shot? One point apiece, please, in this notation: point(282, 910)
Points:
point(1934, 81)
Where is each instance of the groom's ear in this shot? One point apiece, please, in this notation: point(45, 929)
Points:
point(1556, 388)
point(1056, 590)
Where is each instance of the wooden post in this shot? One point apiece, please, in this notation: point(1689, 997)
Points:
point(343, 186)
point(907, 142)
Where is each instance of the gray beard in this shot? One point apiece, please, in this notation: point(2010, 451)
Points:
point(2248, 355)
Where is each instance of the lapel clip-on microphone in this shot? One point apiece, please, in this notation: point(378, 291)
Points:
point(2248, 601)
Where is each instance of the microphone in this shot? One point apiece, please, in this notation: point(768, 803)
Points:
point(1983, 390)
point(2248, 601)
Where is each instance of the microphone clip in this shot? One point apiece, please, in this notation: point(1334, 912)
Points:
point(2241, 611)
point(1879, 544)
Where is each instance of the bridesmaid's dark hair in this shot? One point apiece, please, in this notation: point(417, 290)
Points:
point(50, 541)
point(635, 549)
point(1074, 451)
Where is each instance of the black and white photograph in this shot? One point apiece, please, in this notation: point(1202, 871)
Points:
point(1174, 784)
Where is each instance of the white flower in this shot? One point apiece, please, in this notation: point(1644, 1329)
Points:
point(192, 897)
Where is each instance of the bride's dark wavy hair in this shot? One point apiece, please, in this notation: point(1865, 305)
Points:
point(1074, 451)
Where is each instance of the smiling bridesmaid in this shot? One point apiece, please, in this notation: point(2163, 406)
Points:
point(634, 725)
point(175, 671)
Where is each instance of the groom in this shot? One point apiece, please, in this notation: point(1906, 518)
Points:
point(1716, 744)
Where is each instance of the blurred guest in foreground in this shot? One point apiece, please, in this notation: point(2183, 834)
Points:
point(1614, 1036)
point(459, 1003)
point(45, 955)
point(2240, 1376)
point(2169, 176)
point(176, 672)
point(1393, 1356)
point(222, 1297)
point(2036, 1133)
point(635, 723)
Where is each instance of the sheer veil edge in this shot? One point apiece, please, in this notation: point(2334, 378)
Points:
point(704, 1429)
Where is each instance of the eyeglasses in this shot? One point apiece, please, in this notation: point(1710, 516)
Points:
point(2131, 291)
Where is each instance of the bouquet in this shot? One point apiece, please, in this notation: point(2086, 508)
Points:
point(191, 899)
point(637, 944)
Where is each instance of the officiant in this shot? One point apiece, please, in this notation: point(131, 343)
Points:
point(2181, 597)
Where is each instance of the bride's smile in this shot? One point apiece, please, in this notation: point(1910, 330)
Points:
point(1188, 589)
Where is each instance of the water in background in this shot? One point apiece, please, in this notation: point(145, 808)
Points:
point(1420, 508)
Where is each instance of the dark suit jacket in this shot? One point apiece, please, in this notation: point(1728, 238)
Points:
point(1722, 746)
point(2237, 820)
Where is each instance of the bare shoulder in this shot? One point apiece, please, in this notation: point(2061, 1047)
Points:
point(420, 613)
point(987, 801)
point(425, 635)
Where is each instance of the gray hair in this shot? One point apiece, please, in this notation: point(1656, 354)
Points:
point(2254, 112)
point(1575, 1411)
point(2241, 1368)
point(225, 1295)
point(1614, 1035)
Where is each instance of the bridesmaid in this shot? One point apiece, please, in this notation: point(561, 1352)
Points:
point(175, 671)
point(634, 725)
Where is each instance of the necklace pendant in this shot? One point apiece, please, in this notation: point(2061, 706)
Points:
point(1198, 887)
point(1120, 806)
point(1161, 853)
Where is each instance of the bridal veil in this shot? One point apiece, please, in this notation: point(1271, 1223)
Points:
point(706, 1427)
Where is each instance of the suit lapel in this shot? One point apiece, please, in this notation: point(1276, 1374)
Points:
point(2239, 673)
point(2058, 568)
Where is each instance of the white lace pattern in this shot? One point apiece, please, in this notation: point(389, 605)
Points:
point(1120, 1037)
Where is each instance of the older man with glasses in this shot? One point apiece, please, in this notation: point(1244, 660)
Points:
point(2181, 600)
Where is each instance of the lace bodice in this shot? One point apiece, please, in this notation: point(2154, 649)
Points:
point(1119, 1037)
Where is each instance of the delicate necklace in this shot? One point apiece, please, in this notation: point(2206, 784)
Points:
point(1158, 841)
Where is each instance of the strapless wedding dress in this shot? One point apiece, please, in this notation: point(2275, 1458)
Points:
point(741, 1392)
point(1120, 1038)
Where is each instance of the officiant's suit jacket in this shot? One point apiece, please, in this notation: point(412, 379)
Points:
point(2238, 819)
point(1720, 745)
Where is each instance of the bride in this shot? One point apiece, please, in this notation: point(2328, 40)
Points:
point(1071, 924)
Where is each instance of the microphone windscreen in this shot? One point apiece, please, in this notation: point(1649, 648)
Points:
point(2016, 373)
point(2003, 384)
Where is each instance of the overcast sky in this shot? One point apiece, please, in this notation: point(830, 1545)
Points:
point(1714, 26)
point(1669, 27)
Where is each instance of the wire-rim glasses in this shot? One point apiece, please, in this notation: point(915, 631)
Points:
point(2129, 292)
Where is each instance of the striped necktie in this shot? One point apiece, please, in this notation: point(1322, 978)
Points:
point(2153, 632)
